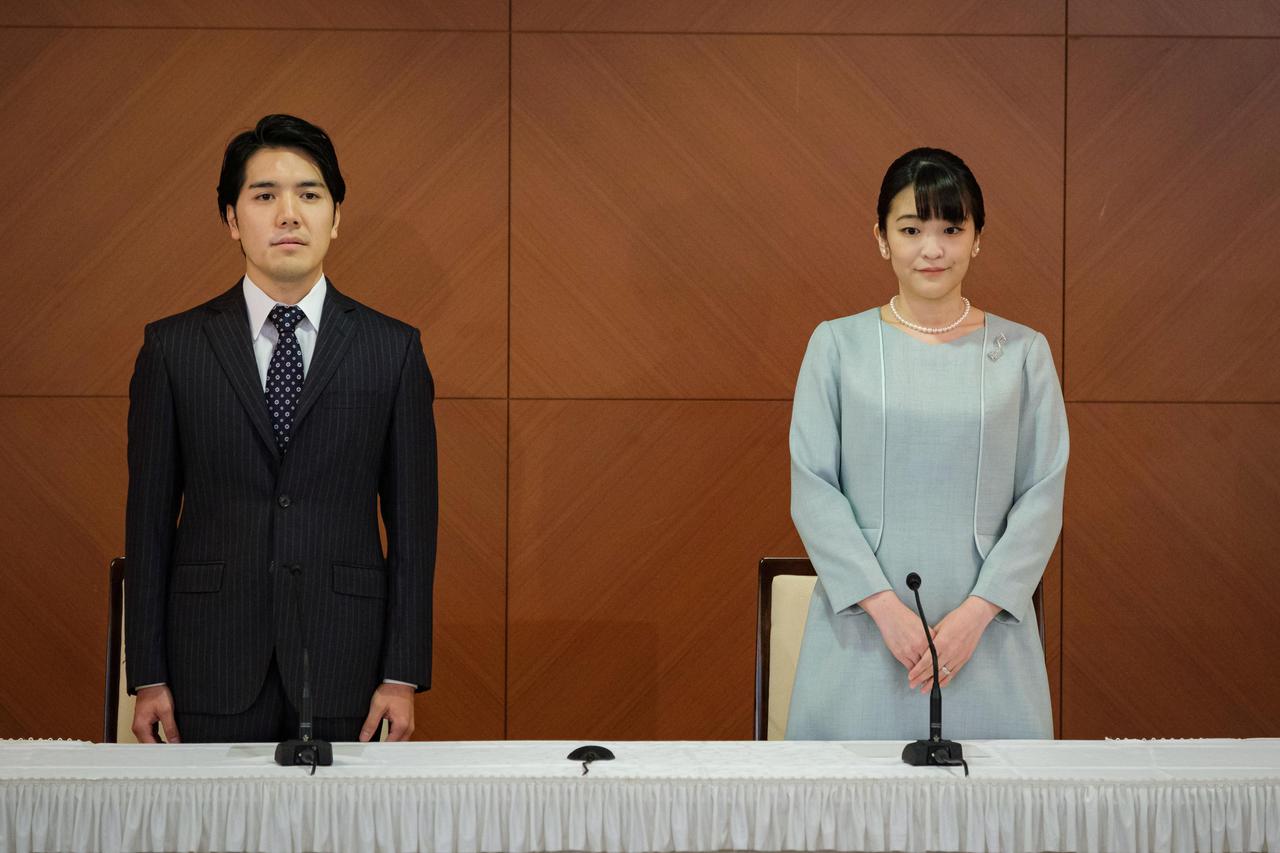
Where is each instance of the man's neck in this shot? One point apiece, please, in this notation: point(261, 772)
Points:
point(285, 292)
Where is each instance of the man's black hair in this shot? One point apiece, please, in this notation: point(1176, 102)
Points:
point(278, 131)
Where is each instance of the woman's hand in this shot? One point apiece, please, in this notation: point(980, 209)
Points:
point(899, 626)
point(955, 638)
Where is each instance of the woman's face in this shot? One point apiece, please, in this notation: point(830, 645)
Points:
point(929, 257)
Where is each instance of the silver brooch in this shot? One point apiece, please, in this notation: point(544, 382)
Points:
point(995, 354)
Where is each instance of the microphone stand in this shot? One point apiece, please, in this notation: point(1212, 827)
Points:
point(303, 750)
point(934, 752)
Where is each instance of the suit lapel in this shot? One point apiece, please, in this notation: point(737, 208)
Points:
point(228, 331)
point(337, 329)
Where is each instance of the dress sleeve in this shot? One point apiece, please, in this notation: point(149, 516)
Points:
point(821, 511)
point(1016, 562)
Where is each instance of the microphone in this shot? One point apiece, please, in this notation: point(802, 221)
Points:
point(934, 752)
point(303, 750)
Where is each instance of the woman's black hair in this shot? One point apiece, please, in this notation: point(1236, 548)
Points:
point(944, 187)
point(278, 131)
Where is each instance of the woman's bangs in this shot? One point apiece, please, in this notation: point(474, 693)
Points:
point(939, 195)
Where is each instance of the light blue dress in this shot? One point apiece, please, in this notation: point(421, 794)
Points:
point(972, 444)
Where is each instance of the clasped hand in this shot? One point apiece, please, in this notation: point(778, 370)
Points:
point(954, 638)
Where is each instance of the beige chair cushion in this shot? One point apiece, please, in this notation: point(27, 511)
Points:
point(789, 610)
point(124, 702)
point(124, 723)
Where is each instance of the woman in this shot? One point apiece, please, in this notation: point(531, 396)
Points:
point(927, 436)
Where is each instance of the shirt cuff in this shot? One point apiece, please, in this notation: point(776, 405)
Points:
point(405, 683)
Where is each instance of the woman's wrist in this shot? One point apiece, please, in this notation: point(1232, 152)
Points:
point(880, 603)
point(981, 608)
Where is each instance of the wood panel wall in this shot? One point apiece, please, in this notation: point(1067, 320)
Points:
point(616, 224)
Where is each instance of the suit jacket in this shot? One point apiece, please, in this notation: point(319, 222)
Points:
point(236, 552)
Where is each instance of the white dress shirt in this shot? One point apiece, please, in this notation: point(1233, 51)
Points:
point(264, 333)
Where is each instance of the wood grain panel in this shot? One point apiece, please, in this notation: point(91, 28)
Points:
point(687, 208)
point(796, 16)
point(1171, 179)
point(63, 464)
point(247, 14)
point(113, 141)
point(64, 467)
point(468, 693)
point(1169, 583)
point(635, 530)
point(1175, 18)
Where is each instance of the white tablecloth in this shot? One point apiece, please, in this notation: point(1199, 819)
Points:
point(1218, 795)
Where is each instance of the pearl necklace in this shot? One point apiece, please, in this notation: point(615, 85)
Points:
point(926, 329)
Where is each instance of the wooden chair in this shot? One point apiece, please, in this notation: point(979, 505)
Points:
point(785, 585)
point(117, 704)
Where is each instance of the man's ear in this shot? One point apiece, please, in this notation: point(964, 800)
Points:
point(232, 225)
point(337, 217)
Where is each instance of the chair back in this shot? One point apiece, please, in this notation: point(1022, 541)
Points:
point(784, 589)
point(117, 704)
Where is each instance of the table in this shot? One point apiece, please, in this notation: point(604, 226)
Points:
point(704, 796)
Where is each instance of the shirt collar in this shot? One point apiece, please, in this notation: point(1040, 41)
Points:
point(260, 305)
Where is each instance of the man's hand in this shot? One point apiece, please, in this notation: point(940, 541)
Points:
point(899, 626)
point(154, 705)
point(394, 703)
point(955, 638)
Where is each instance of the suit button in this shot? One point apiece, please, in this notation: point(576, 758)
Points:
point(284, 501)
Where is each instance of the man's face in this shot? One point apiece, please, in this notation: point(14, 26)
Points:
point(284, 218)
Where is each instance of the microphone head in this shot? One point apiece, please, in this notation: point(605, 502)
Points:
point(913, 581)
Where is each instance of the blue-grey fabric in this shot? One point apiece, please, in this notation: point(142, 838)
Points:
point(943, 459)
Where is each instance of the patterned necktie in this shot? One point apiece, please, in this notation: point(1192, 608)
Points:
point(284, 374)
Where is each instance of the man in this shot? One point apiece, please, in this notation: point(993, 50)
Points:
point(266, 427)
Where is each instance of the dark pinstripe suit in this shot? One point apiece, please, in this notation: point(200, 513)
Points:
point(219, 527)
